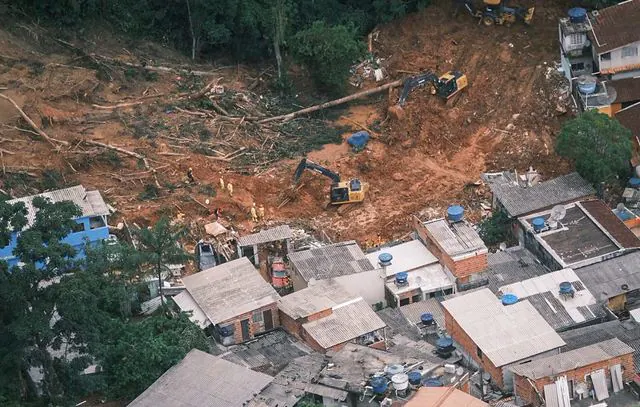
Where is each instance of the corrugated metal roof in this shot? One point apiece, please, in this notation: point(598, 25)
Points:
point(89, 202)
point(265, 236)
point(228, 290)
point(326, 391)
point(456, 239)
point(414, 310)
point(615, 26)
point(505, 334)
point(186, 303)
point(431, 278)
point(339, 259)
point(510, 266)
point(519, 201)
point(543, 293)
point(201, 379)
point(611, 223)
point(627, 89)
point(630, 118)
point(347, 322)
point(574, 359)
point(406, 257)
point(319, 296)
point(612, 277)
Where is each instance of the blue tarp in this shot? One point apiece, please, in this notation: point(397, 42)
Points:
point(358, 140)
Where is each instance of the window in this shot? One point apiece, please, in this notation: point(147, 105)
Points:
point(78, 227)
point(416, 298)
point(404, 301)
point(257, 317)
point(606, 56)
point(578, 66)
point(96, 222)
point(629, 52)
point(576, 39)
point(479, 352)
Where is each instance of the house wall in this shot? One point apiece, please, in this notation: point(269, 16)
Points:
point(527, 392)
point(546, 258)
point(297, 281)
point(368, 284)
point(617, 303)
point(254, 327)
point(618, 63)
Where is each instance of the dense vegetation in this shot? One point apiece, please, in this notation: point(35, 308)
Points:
point(61, 316)
point(600, 147)
point(324, 35)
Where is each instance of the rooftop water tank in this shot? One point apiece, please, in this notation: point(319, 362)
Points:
point(444, 343)
point(400, 381)
point(634, 182)
point(455, 213)
point(509, 299)
point(379, 384)
point(577, 15)
point(391, 370)
point(587, 84)
point(432, 382)
point(402, 277)
point(415, 378)
point(385, 259)
point(427, 318)
point(566, 288)
point(226, 330)
point(538, 224)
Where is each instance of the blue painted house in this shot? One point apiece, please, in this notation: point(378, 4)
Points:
point(91, 226)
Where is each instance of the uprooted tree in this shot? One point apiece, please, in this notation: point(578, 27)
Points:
point(599, 146)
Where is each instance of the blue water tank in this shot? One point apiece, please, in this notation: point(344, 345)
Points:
point(587, 88)
point(385, 259)
point(402, 277)
point(634, 182)
point(455, 213)
point(226, 330)
point(432, 382)
point(577, 15)
point(444, 343)
point(427, 318)
point(566, 288)
point(358, 140)
point(509, 299)
point(538, 224)
point(415, 377)
point(379, 384)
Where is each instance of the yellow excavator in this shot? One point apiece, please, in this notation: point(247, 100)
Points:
point(446, 86)
point(496, 12)
point(342, 192)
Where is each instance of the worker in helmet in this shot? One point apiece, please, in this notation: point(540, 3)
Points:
point(190, 175)
point(222, 187)
point(254, 215)
point(230, 188)
point(261, 213)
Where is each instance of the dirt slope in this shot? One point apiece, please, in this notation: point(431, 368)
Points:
point(506, 119)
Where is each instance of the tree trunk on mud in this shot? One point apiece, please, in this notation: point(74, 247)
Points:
point(193, 36)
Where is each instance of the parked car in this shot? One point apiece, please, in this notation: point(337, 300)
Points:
point(206, 256)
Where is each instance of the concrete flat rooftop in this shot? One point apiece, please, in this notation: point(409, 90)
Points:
point(577, 238)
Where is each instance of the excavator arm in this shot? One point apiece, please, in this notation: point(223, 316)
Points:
point(414, 81)
point(310, 165)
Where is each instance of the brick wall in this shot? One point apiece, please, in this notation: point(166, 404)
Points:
point(527, 392)
point(294, 327)
point(463, 340)
point(254, 327)
point(289, 324)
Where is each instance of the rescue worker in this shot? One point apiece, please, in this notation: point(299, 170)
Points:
point(190, 175)
point(254, 216)
point(222, 183)
point(230, 188)
point(261, 213)
point(218, 213)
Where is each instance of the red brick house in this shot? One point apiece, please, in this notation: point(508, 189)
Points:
point(602, 367)
point(457, 246)
point(233, 298)
point(496, 336)
point(327, 316)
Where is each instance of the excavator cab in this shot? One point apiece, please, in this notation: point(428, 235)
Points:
point(450, 83)
point(342, 192)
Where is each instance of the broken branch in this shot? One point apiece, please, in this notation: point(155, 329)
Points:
point(41, 133)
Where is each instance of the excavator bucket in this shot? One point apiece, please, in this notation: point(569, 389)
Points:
point(396, 112)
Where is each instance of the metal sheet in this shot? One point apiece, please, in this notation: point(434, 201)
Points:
point(551, 395)
point(600, 384)
point(616, 378)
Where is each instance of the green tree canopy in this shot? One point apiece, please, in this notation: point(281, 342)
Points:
point(495, 229)
point(600, 146)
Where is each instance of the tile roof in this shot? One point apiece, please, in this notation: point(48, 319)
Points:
point(201, 379)
point(505, 334)
point(611, 223)
point(266, 236)
point(289, 386)
point(443, 397)
point(89, 202)
point(627, 331)
point(615, 26)
point(573, 359)
point(186, 303)
point(520, 200)
point(630, 118)
point(346, 322)
point(510, 266)
point(319, 296)
point(606, 278)
point(561, 313)
point(455, 239)
point(406, 256)
point(339, 259)
point(627, 89)
point(229, 290)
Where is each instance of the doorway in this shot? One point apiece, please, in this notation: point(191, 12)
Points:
point(268, 320)
point(244, 325)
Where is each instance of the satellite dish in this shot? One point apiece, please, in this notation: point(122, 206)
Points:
point(503, 246)
point(558, 212)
